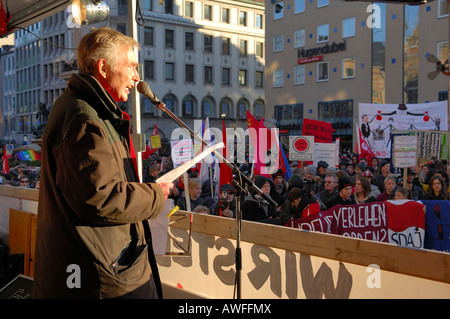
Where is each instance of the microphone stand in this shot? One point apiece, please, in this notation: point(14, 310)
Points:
point(239, 183)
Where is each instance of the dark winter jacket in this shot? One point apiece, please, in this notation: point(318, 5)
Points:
point(92, 209)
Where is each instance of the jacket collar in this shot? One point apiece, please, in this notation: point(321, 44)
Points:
point(93, 90)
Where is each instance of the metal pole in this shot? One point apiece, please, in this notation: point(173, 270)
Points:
point(136, 102)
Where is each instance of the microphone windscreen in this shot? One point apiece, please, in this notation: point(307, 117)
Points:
point(143, 87)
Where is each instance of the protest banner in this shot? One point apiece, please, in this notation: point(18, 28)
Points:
point(437, 225)
point(400, 222)
point(322, 131)
point(377, 121)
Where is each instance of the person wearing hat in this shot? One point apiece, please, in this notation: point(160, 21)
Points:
point(385, 170)
point(322, 169)
point(312, 183)
point(226, 204)
point(416, 191)
point(343, 197)
point(279, 188)
point(256, 208)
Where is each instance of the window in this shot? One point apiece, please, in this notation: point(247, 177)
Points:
point(243, 18)
point(278, 43)
point(170, 102)
point(225, 15)
point(208, 75)
point(146, 5)
point(169, 71)
point(208, 107)
point(299, 74)
point(189, 41)
point(225, 108)
point(189, 73)
point(225, 76)
point(322, 33)
point(278, 78)
point(149, 69)
point(278, 10)
point(207, 12)
point(259, 79)
point(149, 108)
point(243, 47)
point(259, 21)
point(188, 106)
point(348, 27)
point(299, 6)
point(225, 45)
point(207, 43)
point(299, 38)
point(443, 8)
point(242, 107)
point(148, 35)
point(259, 49)
point(169, 38)
point(188, 9)
point(259, 108)
point(442, 51)
point(322, 3)
point(322, 71)
point(243, 77)
point(348, 68)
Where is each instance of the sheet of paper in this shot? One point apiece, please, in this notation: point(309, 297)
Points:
point(176, 172)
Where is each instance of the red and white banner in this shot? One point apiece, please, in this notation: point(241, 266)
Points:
point(400, 222)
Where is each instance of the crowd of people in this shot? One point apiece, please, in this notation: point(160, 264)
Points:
point(313, 188)
point(22, 175)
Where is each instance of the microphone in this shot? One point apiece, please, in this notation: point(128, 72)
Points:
point(145, 89)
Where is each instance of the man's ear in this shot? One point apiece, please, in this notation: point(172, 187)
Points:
point(101, 68)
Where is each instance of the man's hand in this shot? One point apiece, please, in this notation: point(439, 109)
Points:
point(166, 186)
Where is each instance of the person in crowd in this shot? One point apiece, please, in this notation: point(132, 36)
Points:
point(298, 204)
point(93, 210)
point(401, 193)
point(416, 191)
point(389, 185)
point(374, 163)
point(343, 197)
point(350, 169)
point(385, 170)
point(423, 174)
point(195, 190)
point(330, 190)
point(153, 172)
point(374, 190)
point(362, 191)
point(279, 187)
point(312, 183)
point(322, 169)
point(201, 209)
point(256, 208)
point(437, 189)
point(207, 193)
point(226, 204)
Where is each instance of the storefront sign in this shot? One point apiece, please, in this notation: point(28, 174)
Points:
point(327, 48)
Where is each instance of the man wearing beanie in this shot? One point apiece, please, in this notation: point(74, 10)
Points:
point(385, 169)
point(343, 197)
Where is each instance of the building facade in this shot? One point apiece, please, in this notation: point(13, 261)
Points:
point(202, 58)
point(324, 57)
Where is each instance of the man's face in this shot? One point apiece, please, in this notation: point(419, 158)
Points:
point(330, 184)
point(346, 192)
point(122, 77)
point(278, 180)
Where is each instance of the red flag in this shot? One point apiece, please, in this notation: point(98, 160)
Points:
point(5, 161)
point(226, 174)
point(148, 149)
point(362, 148)
point(258, 147)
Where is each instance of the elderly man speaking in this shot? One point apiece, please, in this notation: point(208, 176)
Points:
point(93, 238)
